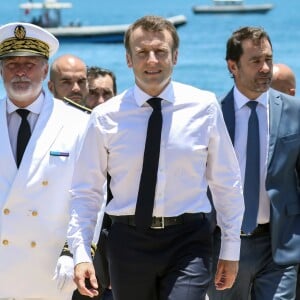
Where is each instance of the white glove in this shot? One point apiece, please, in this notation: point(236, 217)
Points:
point(64, 274)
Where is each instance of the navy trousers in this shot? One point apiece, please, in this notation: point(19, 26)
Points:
point(259, 277)
point(173, 263)
point(298, 285)
point(106, 295)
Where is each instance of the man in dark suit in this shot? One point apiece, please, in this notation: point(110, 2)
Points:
point(270, 251)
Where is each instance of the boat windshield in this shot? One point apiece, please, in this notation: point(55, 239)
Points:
point(48, 18)
point(45, 14)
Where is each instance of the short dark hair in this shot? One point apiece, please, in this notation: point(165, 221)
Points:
point(155, 24)
point(234, 49)
point(94, 72)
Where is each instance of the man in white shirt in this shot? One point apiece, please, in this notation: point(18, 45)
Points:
point(170, 258)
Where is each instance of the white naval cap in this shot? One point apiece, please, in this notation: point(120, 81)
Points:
point(25, 39)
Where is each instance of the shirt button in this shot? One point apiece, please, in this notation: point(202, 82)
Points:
point(33, 244)
point(45, 182)
point(34, 213)
point(5, 242)
point(6, 211)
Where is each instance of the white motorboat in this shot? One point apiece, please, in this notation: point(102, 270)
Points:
point(231, 6)
point(49, 17)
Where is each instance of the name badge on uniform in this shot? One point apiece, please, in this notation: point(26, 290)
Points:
point(58, 153)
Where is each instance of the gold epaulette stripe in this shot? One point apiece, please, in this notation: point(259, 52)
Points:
point(76, 105)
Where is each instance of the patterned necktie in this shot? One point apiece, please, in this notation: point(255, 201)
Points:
point(252, 172)
point(24, 134)
point(146, 194)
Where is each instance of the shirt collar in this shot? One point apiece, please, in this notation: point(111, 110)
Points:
point(34, 107)
point(240, 99)
point(141, 97)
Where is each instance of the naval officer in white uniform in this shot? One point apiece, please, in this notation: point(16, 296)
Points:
point(35, 182)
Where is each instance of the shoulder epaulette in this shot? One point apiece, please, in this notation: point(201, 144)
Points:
point(76, 105)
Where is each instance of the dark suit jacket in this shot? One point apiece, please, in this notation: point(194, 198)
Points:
point(282, 182)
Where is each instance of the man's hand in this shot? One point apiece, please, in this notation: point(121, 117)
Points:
point(226, 274)
point(85, 273)
point(64, 274)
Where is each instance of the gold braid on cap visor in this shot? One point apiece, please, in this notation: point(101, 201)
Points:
point(27, 44)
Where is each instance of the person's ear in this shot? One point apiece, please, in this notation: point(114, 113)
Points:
point(51, 86)
point(292, 92)
point(175, 57)
point(128, 60)
point(46, 71)
point(232, 66)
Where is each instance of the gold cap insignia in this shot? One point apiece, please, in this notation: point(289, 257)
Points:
point(23, 45)
point(20, 32)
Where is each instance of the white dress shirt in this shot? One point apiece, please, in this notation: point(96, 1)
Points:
point(242, 113)
point(195, 151)
point(14, 119)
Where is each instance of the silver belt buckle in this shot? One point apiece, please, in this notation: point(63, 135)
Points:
point(162, 223)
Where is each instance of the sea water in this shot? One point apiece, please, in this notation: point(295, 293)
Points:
point(202, 40)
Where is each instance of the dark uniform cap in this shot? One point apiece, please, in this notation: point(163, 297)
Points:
point(25, 39)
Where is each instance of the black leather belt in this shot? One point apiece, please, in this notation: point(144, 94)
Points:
point(260, 229)
point(160, 222)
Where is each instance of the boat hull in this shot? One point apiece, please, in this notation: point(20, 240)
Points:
point(239, 9)
point(100, 34)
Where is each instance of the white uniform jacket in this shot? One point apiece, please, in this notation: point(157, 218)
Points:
point(35, 198)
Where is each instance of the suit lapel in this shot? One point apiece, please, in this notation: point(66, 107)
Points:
point(229, 114)
point(46, 130)
point(275, 109)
